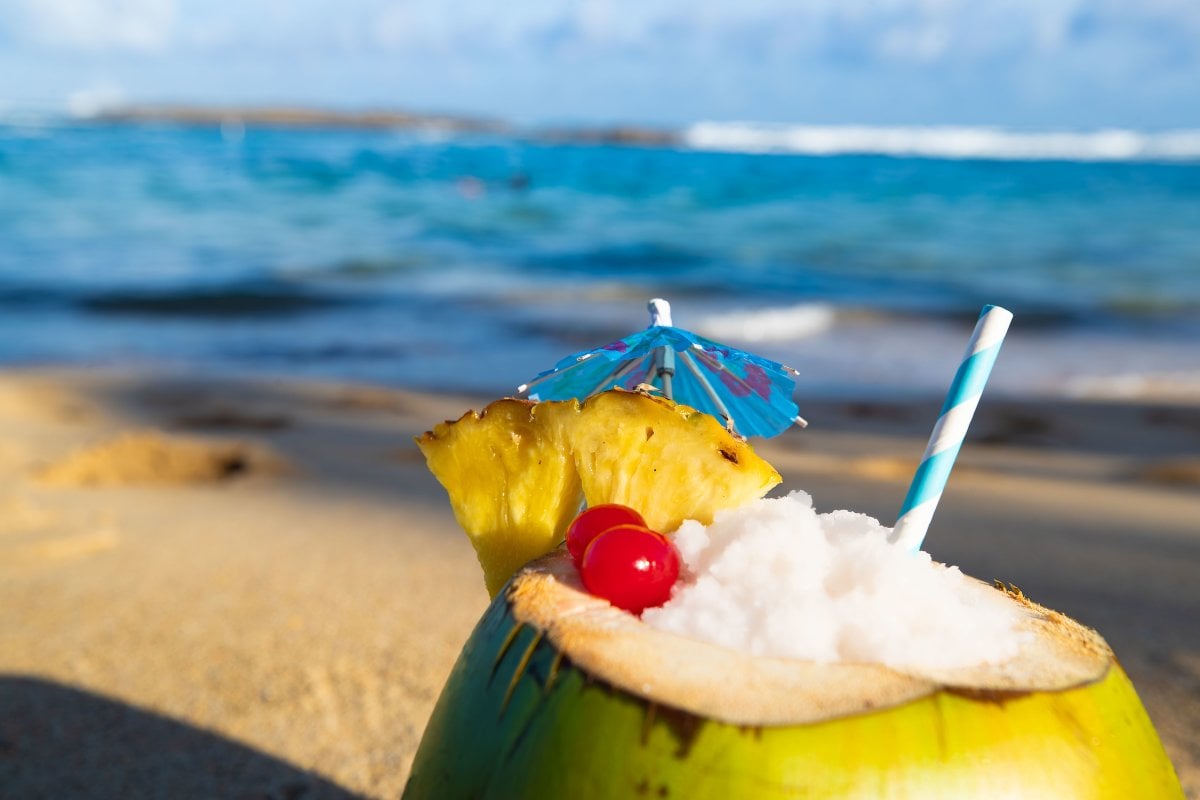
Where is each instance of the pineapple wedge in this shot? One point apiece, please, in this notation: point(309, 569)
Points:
point(511, 480)
point(668, 461)
point(518, 471)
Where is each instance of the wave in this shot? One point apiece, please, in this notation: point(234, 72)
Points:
point(945, 142)
point(360, 268)
point(785, 323)
point(235, 300)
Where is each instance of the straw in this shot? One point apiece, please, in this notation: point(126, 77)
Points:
point(951, 427)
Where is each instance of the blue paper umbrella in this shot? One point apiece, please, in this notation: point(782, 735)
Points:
point(751, 395)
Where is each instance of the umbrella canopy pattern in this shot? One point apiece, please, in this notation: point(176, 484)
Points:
point(752, 395)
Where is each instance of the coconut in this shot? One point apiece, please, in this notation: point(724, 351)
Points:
point(558, 694)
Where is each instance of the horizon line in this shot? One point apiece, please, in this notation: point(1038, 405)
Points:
point(944, 141)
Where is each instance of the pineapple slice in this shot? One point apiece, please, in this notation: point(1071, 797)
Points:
point(517, 471)
point(511, 480)
point(668, 461)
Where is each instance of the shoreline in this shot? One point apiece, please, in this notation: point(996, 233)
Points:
point(286, 597)
point(853, 355)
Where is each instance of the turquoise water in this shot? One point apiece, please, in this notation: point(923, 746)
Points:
point(475, 263)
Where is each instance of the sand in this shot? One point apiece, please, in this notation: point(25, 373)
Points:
point(253, 589)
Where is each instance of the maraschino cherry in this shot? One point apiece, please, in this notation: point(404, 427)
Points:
point(631, 566)
point(595, 521)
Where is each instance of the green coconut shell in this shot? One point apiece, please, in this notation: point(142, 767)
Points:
point(558, 695)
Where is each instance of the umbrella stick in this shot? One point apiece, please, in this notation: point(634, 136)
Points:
point(686, 358)
point(664, 359)
point(616, 375)
point(716, 366)
point(613, 374)
point(554, 373)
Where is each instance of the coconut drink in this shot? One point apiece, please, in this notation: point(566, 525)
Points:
point(976, 692)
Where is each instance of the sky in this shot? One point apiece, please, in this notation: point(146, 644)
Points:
point(1024, 64)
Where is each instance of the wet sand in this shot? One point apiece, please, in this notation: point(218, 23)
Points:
point(254, 589)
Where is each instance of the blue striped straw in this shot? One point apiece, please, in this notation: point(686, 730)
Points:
point(951, 428)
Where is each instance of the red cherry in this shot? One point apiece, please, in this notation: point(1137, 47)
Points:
point(595, 521)
point(630, 566)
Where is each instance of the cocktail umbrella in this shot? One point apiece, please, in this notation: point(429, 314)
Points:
point(751, 395)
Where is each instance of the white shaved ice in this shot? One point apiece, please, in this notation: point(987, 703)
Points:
point(775, 578)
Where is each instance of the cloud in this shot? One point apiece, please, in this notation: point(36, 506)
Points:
point(880, 31)
point(92, 25)
point(896, 61)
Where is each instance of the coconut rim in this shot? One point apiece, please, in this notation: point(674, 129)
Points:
point(714, 682)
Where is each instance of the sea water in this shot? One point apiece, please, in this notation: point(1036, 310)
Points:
point(475, 262)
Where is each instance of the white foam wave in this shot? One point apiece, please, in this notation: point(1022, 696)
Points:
point(787, 323)
point(945, 142)
point(1178, 385)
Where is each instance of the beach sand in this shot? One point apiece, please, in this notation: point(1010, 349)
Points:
point(254, 589)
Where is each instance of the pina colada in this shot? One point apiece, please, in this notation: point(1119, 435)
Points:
point(797, 655)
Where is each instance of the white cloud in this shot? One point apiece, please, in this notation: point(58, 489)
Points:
point(921, 31)
point(91, 25)
point(765, 58)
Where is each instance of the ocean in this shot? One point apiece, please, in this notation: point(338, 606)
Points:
point(473, 261)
